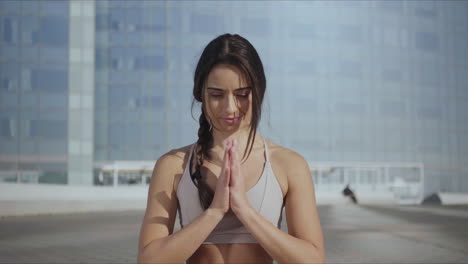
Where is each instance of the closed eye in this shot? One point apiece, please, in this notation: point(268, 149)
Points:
point(243, 94)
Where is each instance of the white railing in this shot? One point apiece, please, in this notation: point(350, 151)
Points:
point(404, 180)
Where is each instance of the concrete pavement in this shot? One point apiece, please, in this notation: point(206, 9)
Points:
point(353, 234)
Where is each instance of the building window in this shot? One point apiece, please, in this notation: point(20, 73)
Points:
point(49, 80)
point(53, 129)
point(427, 41)
point(7, 128)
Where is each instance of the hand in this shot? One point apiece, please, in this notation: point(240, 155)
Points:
point(220, 201)
point(238, 196)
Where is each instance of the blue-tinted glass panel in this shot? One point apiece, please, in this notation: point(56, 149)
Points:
point(115, 134)
point(392, 6)
point(150, 102)
point(9, 52)
point(392, 108)
point(53, 129)
point(117, 18)
point(350, 69)
point(350, 33)
point(49, 80)
point(132, 137)
point(136, 37)
point(159, 15)
point(392, 75)
point(6, 128)
point(133, 17)
point(10, 6)
point(119, 97)
point(102, 22)
point(150, 63)
point(30, 53)
point(54, 100)
point(305, 31)
point(29, 29)
point(427, 41)
point(102, 59)
point(9, 99)
point(350, 108)
point(117, 52)
point(430, 112)
point(55, 7)
point(203, 23)
point(30, 7)
point(55, 54)
point(255, 26)
point(53, 31)
point(426, 9)
point(52, 147)
point(9, 76)
point(7, 30)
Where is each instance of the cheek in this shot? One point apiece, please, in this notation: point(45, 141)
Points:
point(246, 106)
point(212, 106)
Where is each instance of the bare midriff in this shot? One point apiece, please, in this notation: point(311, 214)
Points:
point(230, 253)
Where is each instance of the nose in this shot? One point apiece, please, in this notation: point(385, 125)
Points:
point(230, 104)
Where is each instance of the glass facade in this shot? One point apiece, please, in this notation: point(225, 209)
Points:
point(33, 90)
point(347, 81)
point(131, 101)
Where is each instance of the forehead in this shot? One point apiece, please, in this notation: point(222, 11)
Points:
point(226, 77)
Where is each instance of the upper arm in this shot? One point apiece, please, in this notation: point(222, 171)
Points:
point(161, 207)
point(301, 210)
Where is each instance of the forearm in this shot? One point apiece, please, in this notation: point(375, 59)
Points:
point(179, 246)
point(281, 246)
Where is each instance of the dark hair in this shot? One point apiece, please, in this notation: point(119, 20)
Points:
point(236, 51)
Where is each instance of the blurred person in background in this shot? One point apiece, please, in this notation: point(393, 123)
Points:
point(230, 187)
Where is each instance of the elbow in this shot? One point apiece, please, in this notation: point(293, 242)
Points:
point(313, 259)
point(314, 255)
point(317, 255)
point(157, 253)
point(145, 256)
point(142, 258)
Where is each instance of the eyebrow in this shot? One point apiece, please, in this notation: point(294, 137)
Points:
point(238, 89)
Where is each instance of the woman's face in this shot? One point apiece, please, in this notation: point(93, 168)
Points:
point(227, 99)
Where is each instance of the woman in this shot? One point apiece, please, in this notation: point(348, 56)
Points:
point(231, 185)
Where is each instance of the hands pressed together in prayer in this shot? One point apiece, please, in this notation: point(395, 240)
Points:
point(230, 190)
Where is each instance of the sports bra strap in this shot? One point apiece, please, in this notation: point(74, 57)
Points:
point(267, 155)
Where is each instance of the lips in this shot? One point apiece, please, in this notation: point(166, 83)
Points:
point(232, 121)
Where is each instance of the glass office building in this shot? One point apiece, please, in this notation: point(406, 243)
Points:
point(34, 89)
point(347, 81)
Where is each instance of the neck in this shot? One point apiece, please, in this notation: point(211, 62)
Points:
point(242, 136)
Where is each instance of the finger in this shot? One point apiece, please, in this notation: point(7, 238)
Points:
point(226, 160)
point(227, 176)
point(235, 155)
point(226, 149)
point(232, 163)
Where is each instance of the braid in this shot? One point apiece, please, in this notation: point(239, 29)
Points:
point(204, 144)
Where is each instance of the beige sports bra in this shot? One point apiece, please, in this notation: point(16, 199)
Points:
point(265, 196)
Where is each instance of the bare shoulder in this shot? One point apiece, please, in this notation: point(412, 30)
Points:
point(287, 158)
point(175, 158)
point(173, 163)
point(289, 166)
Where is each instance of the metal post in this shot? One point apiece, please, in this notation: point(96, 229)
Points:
point(116, 173)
